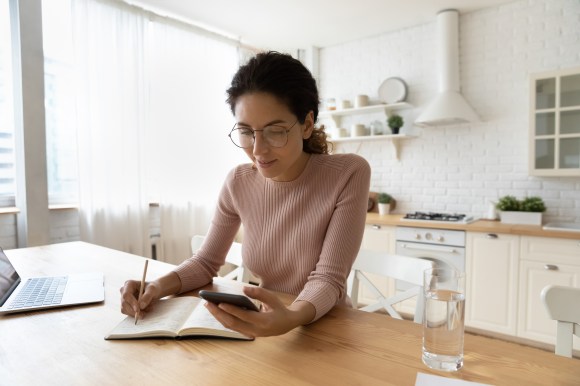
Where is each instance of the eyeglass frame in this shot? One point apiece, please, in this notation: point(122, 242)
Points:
point(286, 130)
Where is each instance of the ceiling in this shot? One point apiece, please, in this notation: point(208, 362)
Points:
point(288, 25)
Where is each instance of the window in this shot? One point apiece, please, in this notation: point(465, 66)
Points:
point(165, 58)
point(7, 158)
point(62, 164)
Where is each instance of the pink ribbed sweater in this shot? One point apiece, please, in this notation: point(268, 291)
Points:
point(300, 237)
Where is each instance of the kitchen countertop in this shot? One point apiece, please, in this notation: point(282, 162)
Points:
point(487, 226)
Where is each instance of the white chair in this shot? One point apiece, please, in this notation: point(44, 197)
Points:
point(405, 268)
point(234, 257)
point(563, 305)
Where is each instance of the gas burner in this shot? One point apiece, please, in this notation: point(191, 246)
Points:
point(440, 217)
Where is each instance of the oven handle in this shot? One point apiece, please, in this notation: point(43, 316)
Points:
point(428, 248)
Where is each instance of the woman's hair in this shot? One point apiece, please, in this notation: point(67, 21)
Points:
point(288, 80)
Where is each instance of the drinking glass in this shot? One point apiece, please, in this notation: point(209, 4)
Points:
point(444, 318)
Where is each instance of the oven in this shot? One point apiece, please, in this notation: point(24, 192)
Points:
point(443, 246)
point(446, 247)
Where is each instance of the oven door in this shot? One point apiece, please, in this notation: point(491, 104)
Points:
point(444, 256)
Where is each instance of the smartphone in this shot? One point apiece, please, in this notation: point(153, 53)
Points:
point(222, 297)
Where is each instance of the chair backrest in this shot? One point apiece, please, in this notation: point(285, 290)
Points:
point(398, 267)
point(234, 257)
point(563, 305)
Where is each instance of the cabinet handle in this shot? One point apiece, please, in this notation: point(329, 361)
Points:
point(551, 267)
point(492, 236)
point(376, 226)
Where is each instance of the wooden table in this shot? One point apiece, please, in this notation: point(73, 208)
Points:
point(346, 347)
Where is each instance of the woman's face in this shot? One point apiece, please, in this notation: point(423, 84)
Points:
point(258, 110)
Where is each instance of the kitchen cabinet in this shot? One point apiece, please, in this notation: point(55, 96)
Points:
point(386, 109)
point(492, 281)
point(544, 261)
point(378, 238)
point(555, 123)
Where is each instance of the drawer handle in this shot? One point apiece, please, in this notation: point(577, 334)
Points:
point(376, 226)
point(551, 267)
point(492, 236)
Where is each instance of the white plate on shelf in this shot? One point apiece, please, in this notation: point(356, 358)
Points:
point(393, 90)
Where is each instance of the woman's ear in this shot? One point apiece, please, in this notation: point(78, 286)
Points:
point(308, 125)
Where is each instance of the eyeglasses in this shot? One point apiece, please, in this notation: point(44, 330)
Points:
point(274, 135)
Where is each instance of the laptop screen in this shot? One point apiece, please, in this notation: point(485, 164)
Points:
point(9, 278)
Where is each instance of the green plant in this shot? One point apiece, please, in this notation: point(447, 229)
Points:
point(533, 204)
point(384, 198)
point(529, 204)
point(395, 121)
point(508, 204)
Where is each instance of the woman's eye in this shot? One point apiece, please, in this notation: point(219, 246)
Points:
point(247, 132)
point(275, 131)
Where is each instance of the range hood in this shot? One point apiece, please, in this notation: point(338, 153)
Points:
point(449, 106)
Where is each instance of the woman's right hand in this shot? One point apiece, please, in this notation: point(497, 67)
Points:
point(130, 293)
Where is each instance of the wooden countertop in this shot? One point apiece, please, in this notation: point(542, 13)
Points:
point(486, 226)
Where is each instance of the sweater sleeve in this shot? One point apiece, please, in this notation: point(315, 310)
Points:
point(326, 285)
point(199, 269)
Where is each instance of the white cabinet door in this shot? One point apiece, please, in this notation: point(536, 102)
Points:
point(544, 261)
point(378, 238)
point(492, 282)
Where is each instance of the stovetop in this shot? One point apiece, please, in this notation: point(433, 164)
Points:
point(439, 217)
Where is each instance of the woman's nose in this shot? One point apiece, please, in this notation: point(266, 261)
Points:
point(260, 145)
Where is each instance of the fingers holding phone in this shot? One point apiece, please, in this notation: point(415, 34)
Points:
point(236, 300)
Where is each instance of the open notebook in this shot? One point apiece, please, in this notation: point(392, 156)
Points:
point(19, 294)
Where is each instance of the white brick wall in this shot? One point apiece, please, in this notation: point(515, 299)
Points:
point(462, 168)
point(8, 231)
point(64, 225)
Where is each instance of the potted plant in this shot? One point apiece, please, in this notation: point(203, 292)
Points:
point(527, 211)
point(533, 204)
point(395, 122)
point(385, 201)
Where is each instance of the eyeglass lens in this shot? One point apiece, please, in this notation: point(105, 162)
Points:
point(274, 136)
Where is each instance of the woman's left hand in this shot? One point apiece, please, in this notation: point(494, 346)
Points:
point(273, 319)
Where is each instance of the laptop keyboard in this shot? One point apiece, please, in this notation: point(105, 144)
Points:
point(40, 291)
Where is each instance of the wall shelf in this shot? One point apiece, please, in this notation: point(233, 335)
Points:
point(395, 140)
point(387, 109)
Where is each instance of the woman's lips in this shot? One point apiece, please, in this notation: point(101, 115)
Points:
point(265, 164)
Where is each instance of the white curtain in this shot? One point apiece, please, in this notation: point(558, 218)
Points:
point(191, 150)
point(111, 113)
point(153, 125)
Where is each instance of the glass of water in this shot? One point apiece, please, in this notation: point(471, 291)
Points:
point(444, 318)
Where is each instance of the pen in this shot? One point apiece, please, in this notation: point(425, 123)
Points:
point(141, 290)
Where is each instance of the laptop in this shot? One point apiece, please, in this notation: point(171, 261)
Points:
point(23, 294)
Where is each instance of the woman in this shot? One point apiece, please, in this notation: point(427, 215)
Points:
point(303, 210)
